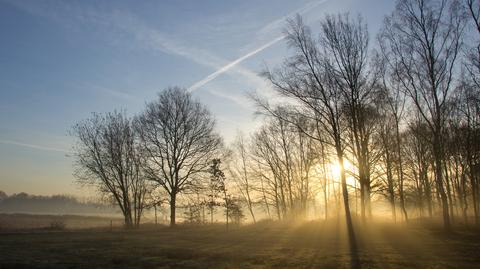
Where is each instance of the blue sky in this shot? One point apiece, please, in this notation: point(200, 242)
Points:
point(62, 60)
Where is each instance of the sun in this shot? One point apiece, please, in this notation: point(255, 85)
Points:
point(335, 170)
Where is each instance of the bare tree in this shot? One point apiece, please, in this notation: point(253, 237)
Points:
point(178, 139)
point(240, 173)
point(107, 157)
point(417, 151)
point(473, 53)
point(306, 79)
point(466, 125)
point(286, 157)
point(385, 136)
point(345, 43)
point(423, 39)
point(269, 155)
point(393, 109)
point(306, 155)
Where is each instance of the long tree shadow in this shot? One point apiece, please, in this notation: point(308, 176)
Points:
point(394, 246)
point(353, 245)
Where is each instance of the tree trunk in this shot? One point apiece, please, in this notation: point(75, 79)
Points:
point(249, 203)
point(345, 199)
point(368, 190)
point(400, 168)
point(351, 233)
point(391, 191)
point(156, 220)
point(362, 200)
point(473, 184)
point(438, 177)
point(449, 192)
point(348, 217)
point(428, 192)
point(173, 197)
point(402, 201)
point(325, 191)
point(325, 186)
point(265, 198)
point(226, 211)
point(128, 223)
point(211, 214)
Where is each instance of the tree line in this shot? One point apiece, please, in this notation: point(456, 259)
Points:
point(395, 122)
point(54, 204)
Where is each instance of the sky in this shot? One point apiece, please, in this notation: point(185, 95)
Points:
point(62, 60)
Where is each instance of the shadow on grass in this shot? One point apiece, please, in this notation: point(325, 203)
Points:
point(354, 257)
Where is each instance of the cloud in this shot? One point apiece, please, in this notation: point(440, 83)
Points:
point(39, 147)
point(118, 23)
point(268, 29)
point(158, 41)
point(277, 25)
point(240, 100)
point(115, 93)
point(232, 64)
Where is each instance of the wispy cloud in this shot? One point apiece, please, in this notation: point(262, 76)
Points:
point(119, 23)
point(240, 100)
point(158, 41)
point(232, 64)
point(277, 25)
point(114, 93)
point(272, 27)
point(32, 146)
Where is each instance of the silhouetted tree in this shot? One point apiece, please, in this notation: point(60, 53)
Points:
point(472, 54)
point(178, 141)
point(241, 175)
point(107, 157)
point(219, 180)
point(307, 78)
point(423, 39)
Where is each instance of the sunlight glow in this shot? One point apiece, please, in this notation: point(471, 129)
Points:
point(336, 171)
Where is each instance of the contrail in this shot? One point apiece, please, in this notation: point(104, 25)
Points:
point(310, 6)
point(225, 68)
point(15, 143)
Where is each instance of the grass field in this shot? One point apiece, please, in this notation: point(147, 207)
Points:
point(313, 244)
point(23, 222)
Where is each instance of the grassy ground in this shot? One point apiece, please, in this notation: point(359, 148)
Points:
point(264, 245)
point(22, 222)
